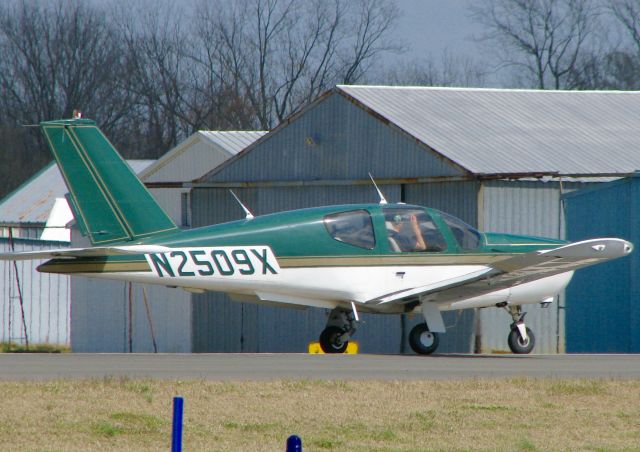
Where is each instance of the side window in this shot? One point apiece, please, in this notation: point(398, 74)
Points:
point(354, 227)
point(410, 230)
point(468, 238)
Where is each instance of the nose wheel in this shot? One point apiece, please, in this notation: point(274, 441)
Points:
point(521, 339)
point(521, 345)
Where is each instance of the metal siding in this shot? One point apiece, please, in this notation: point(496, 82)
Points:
point(100, 317)
point(217, 324)
point(489, 131)
point(100, 307)
point(189, 164)
point(456, 198)
point(216, 205)
point(602, 308)
point(528, 208)
point(45, 297)
point(170, 201)
point(334, 140)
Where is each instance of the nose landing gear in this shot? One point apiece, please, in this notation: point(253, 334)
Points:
point(521, 339)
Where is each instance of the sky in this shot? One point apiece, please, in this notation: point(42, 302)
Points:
point(431, 26)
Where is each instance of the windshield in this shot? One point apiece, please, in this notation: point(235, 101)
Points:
point(467, 237)
point(412, 230)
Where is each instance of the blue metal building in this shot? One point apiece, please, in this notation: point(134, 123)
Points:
point(603, 302)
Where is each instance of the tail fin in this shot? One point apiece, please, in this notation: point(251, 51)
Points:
point(109, 200)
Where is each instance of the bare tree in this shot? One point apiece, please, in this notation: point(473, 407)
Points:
point(55, 57)
point(153, 73)
point(281, 54)
point(627, 13)
point(450, 70)
point(545, 38)
point(153, 39)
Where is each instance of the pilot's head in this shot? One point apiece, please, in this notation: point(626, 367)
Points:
point(395, 220)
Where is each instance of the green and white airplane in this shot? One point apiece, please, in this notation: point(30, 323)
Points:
point(376, 258)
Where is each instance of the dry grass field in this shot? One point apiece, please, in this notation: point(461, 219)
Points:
point(515, 414)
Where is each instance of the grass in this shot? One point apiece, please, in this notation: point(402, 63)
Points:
point(11, 347)
point(515, 414)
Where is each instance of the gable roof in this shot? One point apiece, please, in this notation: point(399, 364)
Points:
point(220, 145)
point(500, 133)
point(496, 131)
point(32, 201)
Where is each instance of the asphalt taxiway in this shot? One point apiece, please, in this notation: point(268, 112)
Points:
point(302, 366)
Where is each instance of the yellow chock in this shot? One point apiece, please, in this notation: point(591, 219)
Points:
point(315, 349)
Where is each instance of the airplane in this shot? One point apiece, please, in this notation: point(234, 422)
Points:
point(386, 258)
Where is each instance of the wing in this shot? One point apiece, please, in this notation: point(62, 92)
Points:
point(517, 270)
point(72, 253)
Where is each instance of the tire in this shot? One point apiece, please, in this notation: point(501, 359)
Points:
point(423, 341)
point(328, 340)
point(517, 345)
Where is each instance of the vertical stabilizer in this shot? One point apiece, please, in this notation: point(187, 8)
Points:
point(109, 199)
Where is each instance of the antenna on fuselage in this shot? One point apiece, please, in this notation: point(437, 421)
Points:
point(249, 215)
point(382, 198)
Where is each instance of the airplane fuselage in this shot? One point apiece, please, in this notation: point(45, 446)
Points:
point(298, 258)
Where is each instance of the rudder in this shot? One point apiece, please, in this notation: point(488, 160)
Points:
point(112, 203)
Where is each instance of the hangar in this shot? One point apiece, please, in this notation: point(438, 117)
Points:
point(498, 159)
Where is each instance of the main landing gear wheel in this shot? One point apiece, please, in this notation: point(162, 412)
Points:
point(423, 341)
point(331, 340)
point(518, 344)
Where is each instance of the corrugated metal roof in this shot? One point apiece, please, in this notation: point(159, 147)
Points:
point(492, 131)
point(32, 201)
point(232, 141)
point(195, 159)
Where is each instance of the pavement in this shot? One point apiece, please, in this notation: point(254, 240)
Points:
point(266, 366)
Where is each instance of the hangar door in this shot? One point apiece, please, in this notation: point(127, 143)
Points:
point(603, 307)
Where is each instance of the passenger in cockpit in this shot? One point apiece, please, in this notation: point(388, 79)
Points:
point(404, 233)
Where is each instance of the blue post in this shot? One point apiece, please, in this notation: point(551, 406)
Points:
point(176, 438)
point(294, 444)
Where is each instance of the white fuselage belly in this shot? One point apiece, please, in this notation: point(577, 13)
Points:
point(329, 287)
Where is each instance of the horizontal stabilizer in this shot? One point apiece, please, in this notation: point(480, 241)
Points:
point(72, 253)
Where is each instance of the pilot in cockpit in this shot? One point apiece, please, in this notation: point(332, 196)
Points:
point(404, 233)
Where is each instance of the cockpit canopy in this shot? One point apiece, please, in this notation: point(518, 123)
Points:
point(407, 229)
